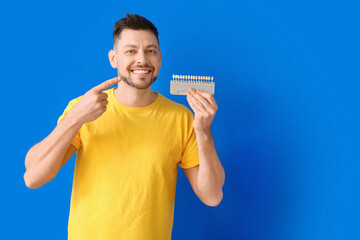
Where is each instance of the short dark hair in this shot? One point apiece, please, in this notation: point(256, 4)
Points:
point(135, 22)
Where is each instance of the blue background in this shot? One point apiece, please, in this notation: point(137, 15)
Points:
point(286, 131)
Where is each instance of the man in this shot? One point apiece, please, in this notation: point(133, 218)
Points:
point(130, 141)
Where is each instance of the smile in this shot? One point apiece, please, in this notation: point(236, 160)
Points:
point(141, 71)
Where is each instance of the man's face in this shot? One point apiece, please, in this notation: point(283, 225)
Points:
point(137, 58)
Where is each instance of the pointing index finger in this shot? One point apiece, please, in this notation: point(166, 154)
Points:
point(102, 86)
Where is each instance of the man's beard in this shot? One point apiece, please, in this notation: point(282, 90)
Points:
point(131, 83)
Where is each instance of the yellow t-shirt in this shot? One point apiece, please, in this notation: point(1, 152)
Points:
point(126, 170)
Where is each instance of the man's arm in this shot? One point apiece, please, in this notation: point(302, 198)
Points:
point(208, 178)
point(44, 160)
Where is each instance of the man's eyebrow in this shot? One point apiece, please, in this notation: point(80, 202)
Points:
point(135, 46)
point(130, 45)
point(152, 46)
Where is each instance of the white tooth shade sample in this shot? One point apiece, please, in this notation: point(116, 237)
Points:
point(180, 84)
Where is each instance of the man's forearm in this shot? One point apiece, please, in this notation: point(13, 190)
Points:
point(211, 175)
point(43, 160)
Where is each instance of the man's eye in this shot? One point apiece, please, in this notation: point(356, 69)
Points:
point(152, 51)
point(130, 51)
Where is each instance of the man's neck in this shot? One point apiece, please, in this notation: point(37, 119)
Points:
point(134, 97)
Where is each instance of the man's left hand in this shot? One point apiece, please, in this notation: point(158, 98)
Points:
point(204, 106)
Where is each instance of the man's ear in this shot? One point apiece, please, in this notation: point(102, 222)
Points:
point(112, 58)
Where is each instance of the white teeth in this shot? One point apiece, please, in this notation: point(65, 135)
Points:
point(140, 71)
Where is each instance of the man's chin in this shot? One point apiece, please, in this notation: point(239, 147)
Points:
point(139, 83)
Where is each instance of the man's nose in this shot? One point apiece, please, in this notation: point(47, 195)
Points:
point(141, 57)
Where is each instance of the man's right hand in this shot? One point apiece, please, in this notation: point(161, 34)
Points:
point(93, 104)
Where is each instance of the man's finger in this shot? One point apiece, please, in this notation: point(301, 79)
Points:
point(193, 103)
point(102, 86)
point(193, 106)
point(208, 97)
point(200, 98)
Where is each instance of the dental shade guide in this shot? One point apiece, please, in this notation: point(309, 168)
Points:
point(180, 84)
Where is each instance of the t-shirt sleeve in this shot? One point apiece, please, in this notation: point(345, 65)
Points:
point(76, 142)
point(190, 154)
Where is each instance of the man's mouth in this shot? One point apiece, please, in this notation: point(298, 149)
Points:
point(141, 72)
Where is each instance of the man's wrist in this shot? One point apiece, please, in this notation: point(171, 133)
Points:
point(203, 135)
point(73, 118)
